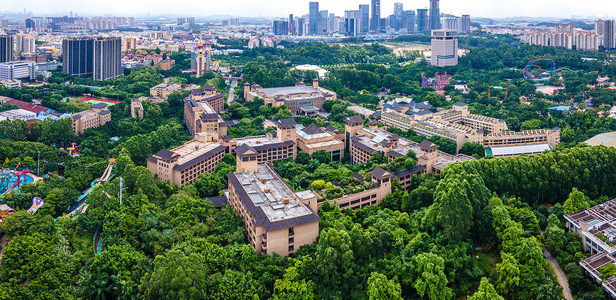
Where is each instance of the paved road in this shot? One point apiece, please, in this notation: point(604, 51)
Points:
point(562, 279)
point(231, 91)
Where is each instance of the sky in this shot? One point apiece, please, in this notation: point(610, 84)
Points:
point(281, 8)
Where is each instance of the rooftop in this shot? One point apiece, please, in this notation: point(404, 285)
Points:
point(191, 152)
point(264, 194)
point(518, 150)
point(289, 90)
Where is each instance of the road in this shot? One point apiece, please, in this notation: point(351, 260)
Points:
point(231, 91)
point(562, 279)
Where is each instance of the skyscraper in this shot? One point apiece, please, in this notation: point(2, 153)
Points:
point(465, 24)
point(375, 19)
point(6, 48)
point(77, 56)
point(364, 18)
point(291, 27)
point(422, 20)
point(408, 21)
point(398, 9)
point(444, 48)
point(608, 34)
point(599, 26)
point(107, 58)
point(352, 22)
point(313, 18)
point(435, 15)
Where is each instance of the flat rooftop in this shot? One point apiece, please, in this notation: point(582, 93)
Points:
point(207, 108)
point(192, 150)
point(268, 191)
point(256, 141)
point(605, 139)
point(518, 150)
point(289, 90)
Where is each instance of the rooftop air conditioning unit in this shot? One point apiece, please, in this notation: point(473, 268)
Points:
point(285, 200)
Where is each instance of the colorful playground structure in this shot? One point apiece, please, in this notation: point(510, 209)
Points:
point(439, 82)
point(12, 180)
point(544, 74)
point(36, 204)
point(73, 150)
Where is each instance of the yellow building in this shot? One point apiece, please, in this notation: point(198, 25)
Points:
point(314, 138)
point(163, 90)
point(97, 116)
point(203, 122)
point(186, 163)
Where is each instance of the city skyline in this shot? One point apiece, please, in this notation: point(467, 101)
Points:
point(280, 8)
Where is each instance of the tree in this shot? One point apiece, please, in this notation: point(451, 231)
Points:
point(575, 202)
point(508, 274)
point(379, 288)
point(322, 156)
point(176, 275)
point(432, 281)
point(486, 291)
point(453, 209)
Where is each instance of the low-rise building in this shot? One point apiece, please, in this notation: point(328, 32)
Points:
point(97, 116)
point(184, 164)
point(17, 70)
point(315, 138)
point(17, 114)
point(597, 228)
point(277, 220)
point(209, 95)
point(302, 100)
point(165, 65)
point(164, 89)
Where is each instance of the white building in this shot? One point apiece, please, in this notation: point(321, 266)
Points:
point(17, 70)
point(17, 114)
point(24, 43)
point(444, 48)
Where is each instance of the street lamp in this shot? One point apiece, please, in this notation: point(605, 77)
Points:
point(38, 164)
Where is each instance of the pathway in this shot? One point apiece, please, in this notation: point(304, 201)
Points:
point(560, 274)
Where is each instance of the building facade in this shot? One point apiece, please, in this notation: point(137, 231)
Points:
point(107, 58)
point(78, 56)
point(300, 99)
point(97, 116)
point(6, 48)
point(277, 220)
point(444, 48)
point(17, 70)
point(184, 164)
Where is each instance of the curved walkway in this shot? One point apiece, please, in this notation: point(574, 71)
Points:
point(560, 274)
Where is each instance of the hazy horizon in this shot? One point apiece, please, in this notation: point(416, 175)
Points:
point(282, 8)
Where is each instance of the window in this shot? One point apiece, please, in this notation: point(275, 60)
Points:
point(291, 231)
point(291, 248)
point(291, 240)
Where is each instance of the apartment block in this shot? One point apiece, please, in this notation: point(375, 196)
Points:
point(184, 164)
point(97, 116)
point(277, 219)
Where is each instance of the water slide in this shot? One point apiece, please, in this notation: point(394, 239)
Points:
point(80, 205)
point(108, 174)
point(97, 242)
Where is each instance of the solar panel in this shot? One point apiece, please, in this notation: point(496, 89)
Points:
point(256, 199)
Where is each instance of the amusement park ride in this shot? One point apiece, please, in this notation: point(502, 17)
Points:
point(439, 82)
point(11, 180)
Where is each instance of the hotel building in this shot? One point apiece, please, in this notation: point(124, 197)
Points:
point(203, 122)
point(184, 164)
point(163, 90)
point(315, 138)
point(97, 116)
point(277, 219)
point(302, 100)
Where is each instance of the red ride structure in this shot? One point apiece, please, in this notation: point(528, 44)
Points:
point(17, 184)
point(534, 64)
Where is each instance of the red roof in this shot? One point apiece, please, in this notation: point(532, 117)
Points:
point(27, 106)
point(32, 121)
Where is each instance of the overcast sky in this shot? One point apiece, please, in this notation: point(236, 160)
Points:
point(279, 8)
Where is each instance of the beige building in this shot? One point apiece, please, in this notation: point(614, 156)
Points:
point(97, 116)
point(186, 163)
point(277, 220)
point(165, 65)
point(129, 43)
point(460, 126)
point(315, 138)
point(208, 94)
point(136, 106)
point(163, 90)
point(203, 122)
point(302, 100)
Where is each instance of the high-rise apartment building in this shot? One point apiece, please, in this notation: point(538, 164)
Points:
point(398, 9)
point(364, 18)
point(77, 56)
point(608, 34)
point(107, 58)
point(408, 21)
point(24, 43)
point(129, 43)
point(451, 23)
point(6, 48)
point(375, 20)
point(280, 27)
point(422, 20)
point(313, 18)
point(599, 26)
point(444, 48)
point(465, 24)
point(435, 15)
